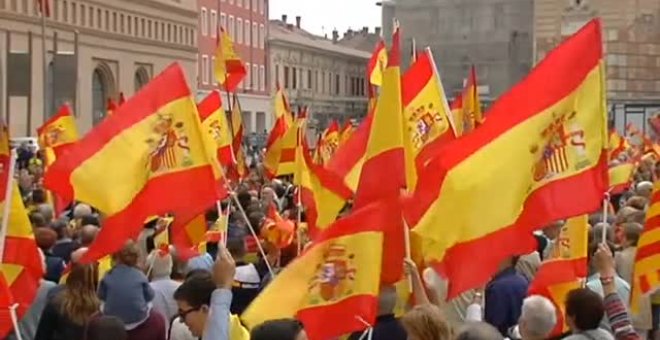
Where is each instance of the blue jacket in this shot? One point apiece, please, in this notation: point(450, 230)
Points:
point(126, 293)
point(504, 298)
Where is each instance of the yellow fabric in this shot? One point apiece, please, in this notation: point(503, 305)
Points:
point(273, 160)
point(282, 107)
point(135, 147)
point(19, 222)
point(304, 283)
point(647, 267)
point(376, 76)
point(465, 209)
point(573, 239)
point(224, 51)
point(328, 146)
point(236, 329)
point(236, 127)
point(217, 128)
point(59, 132)
point(621, 174)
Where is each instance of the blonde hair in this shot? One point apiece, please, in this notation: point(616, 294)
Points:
point(426, 322)
point(78, 301)
point(128, 255)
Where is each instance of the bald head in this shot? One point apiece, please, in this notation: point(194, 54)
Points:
point(88, 234)
point(81, 210)
point(644, 189)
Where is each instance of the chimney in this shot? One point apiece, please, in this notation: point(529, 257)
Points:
point(378, 31)
point(298, 19)
point(289, 27)
point(335, 35)
point(284, 18)
point(365, 30)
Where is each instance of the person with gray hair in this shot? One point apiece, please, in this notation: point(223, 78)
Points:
point(478, 331)
point(538, 318)
point(387, 325)
point(81, 210)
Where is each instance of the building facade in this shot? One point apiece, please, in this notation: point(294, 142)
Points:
point(94, 50)
point(317, 72)
point(631, 34)
point(493, 35)
point(246, 22)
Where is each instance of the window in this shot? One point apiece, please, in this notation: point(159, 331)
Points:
point(248, 76)
point(74, 13)
point(286, 77)
point(239, 3)
point(211, 69)
point(99, 15)
point(149, 29)
point(223, 20)
point(262, 37)
point(254, 5)
point(205, 69)
point(254, 79)
point(197, 66)
point(107, 20)
point(143, 31)
point(247, 32)
point(262, 4)
point(83, 15)
point(130, 24)
point(114, 21)
point(262, 78)
point(204, 23)
point(255, 33)
point(316, 81)
point(277, 75)
point(323, 83)
point(337, 85)
point(309, 79)
point(239, 30)
point(65, 11)
point(214, 24)
point(122, 23)
point(230, 28)
point(295, 78)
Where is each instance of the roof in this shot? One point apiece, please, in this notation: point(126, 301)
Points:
point(278, 31)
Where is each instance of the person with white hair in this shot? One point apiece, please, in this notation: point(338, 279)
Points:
point(159, 264)
point(538, 318)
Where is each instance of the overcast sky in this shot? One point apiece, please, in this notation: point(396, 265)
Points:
point(322, 16)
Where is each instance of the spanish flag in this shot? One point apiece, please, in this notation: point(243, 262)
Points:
point(471, 102)
point(377, 64)
point(152, 161)
point(347, 162)
point(646, 276)
point(280, 157)
point(58, 134)
point(426, 111)
point(458, 114)
point(565, 270)
point(541, 156)
point(621, 176)
point(188, 235)
point(6, 303)
point(323, 193)
point(618, 145)
point(239, 170)
point(328, 142)
point(346, 132)
point(229, 68)
point(336, 279)
point(276, 230)
point(214, 123)
point(282, 108)
point(21, 263)
point(385, 146)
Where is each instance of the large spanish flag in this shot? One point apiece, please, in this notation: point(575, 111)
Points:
point(323, 192)
point(214, 123)
point(426, 111)
point(239, 170)
point(337, 274)
point(349, 158)
point(152, 161)
point(565, 270)
point(229, 68)
point(646, 277)
point(540, 156)
point(21, 263)
point(385, 146)
point(377, 64)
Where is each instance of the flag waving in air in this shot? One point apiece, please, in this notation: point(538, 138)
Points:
point(214, 123)
point(519, 171)
point(646, 276)
point(377, 64)
point(229, 68)
point(239, 170)
point(471, 103)
point(153, 160)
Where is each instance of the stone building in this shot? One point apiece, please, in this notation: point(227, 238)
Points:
point(246, 23)
point(631, 34)
point(494, 35)
point(121, 45)
point(318, 72)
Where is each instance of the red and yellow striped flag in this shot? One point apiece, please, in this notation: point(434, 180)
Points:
point(337, 274)
point(239, 170)
point(458, 114)
point(621, 166)
point(426, 110)
point(346, 132)
point(377, 64)
point(323, 193)
point(282, 108)
point(153, 160)
point(22, 263)
point(280, 157)
point(58, 134)
point(618, 145)
point(521, 169)
point(646, 276)
point(6, 302)
point(229, 68)
point(385, 146)
point(214, 123)
point(565, 270)
point(328, 142)
point(472, 103)
point(187, 237)
point(347, 162)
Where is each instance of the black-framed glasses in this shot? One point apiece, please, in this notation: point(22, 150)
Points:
point(183, 314)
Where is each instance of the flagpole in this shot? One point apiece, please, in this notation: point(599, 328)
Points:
point(44, 59)
point(299, 213)
point(14, 321)
point(8, 197)
point(605, 211)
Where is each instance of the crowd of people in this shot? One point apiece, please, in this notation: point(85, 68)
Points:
point(149, 293)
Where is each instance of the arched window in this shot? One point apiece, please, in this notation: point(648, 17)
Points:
point(141, 78)
point(99, 96)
